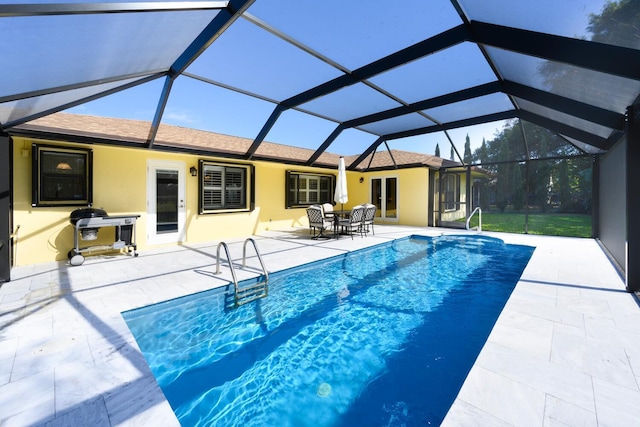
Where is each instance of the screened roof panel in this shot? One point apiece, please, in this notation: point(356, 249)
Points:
point(585, 147)
point(297, 72)
point(15, 110)
point(422, 143)
point(542, 145)
point(352, 142)
point(572, 121)
point(41, 52)
point(569, 18)
point(137, 102)
point(200, 105)
point(482, 105)
point(591, 87)
point(340, 104)
point(309, 131)
point(437, 74)
point(398, 124)
point(252, 59)
point(354, 33)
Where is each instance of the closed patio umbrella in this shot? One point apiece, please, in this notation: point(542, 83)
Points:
point(340, 195)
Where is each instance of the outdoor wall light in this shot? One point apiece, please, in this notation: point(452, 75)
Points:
point(361, 180)
point(193, 171)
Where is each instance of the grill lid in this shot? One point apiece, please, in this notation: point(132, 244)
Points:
point(86, 213)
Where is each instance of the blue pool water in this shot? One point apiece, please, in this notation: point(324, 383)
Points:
point(378, 337)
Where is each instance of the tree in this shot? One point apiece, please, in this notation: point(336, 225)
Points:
point(452, 153)
point(504, 181)
point(542, 180)
point(482, 155)
point(467, 158)
point(437, 150)
point(518, 189)
point(503, 156)
point(618, 24)
point(564, 196)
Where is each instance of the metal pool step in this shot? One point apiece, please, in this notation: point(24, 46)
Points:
point(249, 293)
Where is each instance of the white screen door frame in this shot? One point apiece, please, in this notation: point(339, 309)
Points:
point(384, 194)
point(166, 203)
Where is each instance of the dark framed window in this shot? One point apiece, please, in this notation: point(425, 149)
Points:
point(451, 192)
point(305, 189)
point(61, 176)
point(225, 187)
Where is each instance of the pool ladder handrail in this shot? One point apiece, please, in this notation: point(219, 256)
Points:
point(479, 218)
point(249, 293)
point(244, 257)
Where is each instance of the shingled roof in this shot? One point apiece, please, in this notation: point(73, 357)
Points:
point(94, 129)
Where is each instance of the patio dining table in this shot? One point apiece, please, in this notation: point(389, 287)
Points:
point(337, 215)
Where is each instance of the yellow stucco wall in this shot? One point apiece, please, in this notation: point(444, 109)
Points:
point(120, 187)
point(412, 197)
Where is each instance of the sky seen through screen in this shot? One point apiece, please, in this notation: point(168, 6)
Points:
point(230, 113)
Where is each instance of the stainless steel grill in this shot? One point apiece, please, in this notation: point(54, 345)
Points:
point(88, 221)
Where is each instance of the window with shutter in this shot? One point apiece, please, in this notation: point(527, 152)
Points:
point(224, 187)
point(305, 189)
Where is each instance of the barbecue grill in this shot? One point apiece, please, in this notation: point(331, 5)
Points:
point(87, 222)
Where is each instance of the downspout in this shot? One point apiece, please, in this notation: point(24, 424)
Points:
point(526, 179)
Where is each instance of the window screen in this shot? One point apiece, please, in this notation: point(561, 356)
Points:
point(61, 176)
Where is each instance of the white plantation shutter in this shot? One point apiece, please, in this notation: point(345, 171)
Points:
point(223, 187)
point(212, 188)
point(234, 187)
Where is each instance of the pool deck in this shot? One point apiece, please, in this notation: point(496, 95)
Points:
point(564, 352)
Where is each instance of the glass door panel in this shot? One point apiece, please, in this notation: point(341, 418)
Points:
point(166, 206)
point(166, 201)
point(376, 195)
point(390, 210)
point(384, 193)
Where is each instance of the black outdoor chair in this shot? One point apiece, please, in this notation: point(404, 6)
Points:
point(354, 222)
point(369, 215)
point(318, 221)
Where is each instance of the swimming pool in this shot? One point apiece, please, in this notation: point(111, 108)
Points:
point(381, 336)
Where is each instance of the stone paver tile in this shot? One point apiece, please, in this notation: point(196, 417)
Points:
point(27, 393)
point(88, 413)
point(140, 403)
point(558, 412)
point(503, 398)
point(464, 414)
point(615, 405)
point(574, 386)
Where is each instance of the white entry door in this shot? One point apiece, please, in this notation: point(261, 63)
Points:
point(166, 211)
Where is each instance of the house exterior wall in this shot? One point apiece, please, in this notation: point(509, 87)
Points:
point(412, 193)
point(461, 210)
point(413, 196)
point(120, 187)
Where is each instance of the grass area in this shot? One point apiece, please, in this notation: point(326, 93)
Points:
point(570, 225)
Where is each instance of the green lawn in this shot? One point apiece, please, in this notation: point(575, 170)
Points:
point(570, 225)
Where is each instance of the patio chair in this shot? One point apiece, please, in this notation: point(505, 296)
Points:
point(369, 215)
point(354, 222)
point(312, 229)
point(328, 210)
point(318, 221)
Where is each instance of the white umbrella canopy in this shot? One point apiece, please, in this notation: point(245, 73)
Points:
point(340, 195)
